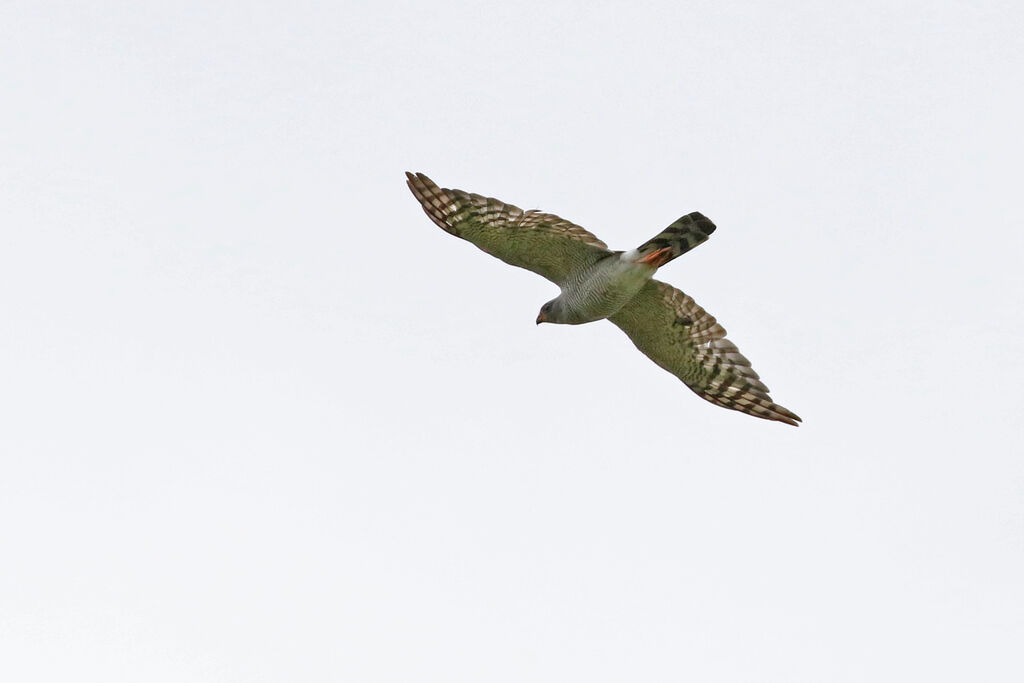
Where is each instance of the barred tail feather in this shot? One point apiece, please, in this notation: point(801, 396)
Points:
point(675, 240)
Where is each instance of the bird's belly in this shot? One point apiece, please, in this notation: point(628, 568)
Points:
point(604, 293)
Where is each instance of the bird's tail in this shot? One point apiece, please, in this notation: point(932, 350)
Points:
point(675, 240)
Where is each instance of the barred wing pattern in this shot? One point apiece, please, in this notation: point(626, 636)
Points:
point(672, 330)
point(545, 244)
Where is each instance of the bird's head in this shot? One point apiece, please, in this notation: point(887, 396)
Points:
point(547, 313)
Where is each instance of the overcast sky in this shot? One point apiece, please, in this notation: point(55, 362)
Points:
point(263, 421)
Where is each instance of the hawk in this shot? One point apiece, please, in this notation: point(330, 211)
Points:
point(597, 283)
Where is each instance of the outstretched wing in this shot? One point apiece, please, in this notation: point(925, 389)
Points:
point(546, 244)
point(672, 330)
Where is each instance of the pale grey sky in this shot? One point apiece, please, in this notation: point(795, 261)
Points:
point(263, 421)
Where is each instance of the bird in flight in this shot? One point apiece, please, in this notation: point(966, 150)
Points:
point(665, 324)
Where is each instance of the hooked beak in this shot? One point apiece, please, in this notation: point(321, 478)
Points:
point(541, 319)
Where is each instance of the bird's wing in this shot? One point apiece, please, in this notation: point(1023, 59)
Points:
point(546, 244)
point(672, 330)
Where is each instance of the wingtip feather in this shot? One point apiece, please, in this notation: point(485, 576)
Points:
point(779, 414)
